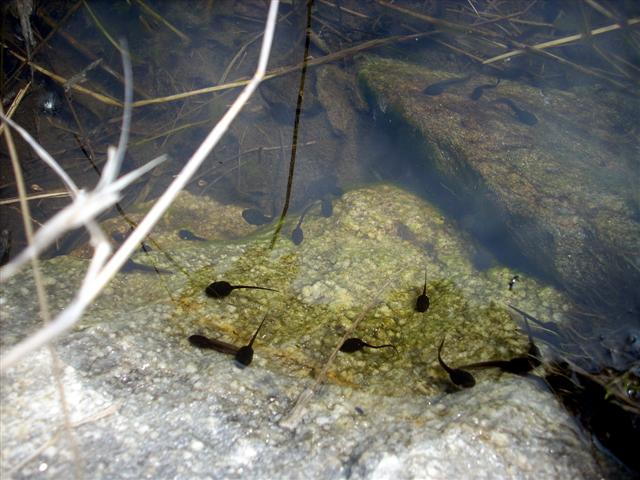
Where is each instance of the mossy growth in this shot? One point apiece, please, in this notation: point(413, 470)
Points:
point(377, 235)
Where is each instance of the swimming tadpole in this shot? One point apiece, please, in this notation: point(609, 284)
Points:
point(185, 234)
point(439, 87)
point(242, 355)
point(351, 345)
point(326, 206)
point(422, 302)
point(479, 90)
point(254, 216)
point(297, 235)
point(221, 289)
point(521, 115)
point(458, 377)
point(520, 365)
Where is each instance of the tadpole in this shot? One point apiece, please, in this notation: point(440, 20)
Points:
point(242, 355)
point(326, 206)
point(297, 235)
point(254, 216)
point(459, 377)
point(439, 87)
point(185, 234)
point(221, 289)
point(422, 302)
point(351, 345)
point(520, 365)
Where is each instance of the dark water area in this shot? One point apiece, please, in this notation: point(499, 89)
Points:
point(349, 132)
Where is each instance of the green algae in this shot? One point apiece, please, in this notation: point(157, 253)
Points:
point(326, 282)
point(377, 234)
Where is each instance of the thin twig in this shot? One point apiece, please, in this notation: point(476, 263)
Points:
point(100, 278)
point(560, 41)
point(16, 103)
point(61, 80)
point(284, 70)
point(45, 312)
point(164, 21)
point(60, 194)
point(293, 417)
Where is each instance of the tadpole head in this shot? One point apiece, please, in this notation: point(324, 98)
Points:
point(422, 303)
point(326, 207)
point(244, 356)
point(351, 345)
point(218, 289)
point(297, 236)
point(462, 378)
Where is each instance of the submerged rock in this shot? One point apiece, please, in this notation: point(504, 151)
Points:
point(563, 188)
point(181, 411)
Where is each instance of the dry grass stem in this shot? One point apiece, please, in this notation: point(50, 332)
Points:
point(164, 21)
point(293, 417)
point(99, 274)
point(560, 41)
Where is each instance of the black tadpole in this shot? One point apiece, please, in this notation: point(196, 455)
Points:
point(185, 234)
point(221, 289)
point(201, 341)
point(297, 235)
point(513, 281)
point(422, 302)
point(254, 216)
point(439, 87)
point(521, 115)
point(479, 90)
point(244, 355)
point(351, 345)
point(459, 377)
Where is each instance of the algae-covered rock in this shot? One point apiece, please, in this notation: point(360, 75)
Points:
point(180, 411)
point(565, 188)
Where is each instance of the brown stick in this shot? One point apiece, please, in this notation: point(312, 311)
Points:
point(284, 70)
point(61, 80)
point(560, 41)
point(292, 418)
point(86, 52)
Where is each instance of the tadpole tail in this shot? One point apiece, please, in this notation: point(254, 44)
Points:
point(383, 346)
point(304, 212)
point(257, 330)
point(440, 361)
point(254, 287)
point(487, 364)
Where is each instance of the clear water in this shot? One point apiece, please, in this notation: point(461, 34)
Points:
point(344, 138)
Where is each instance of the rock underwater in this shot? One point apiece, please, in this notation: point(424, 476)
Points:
point(181, 411)
point(557, 172)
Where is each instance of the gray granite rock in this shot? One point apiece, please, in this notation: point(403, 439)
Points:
point(173, 411)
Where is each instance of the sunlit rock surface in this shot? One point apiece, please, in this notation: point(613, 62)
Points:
point(179, 411)
point(565, 188)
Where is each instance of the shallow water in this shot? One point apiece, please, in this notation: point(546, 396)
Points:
point(350, 131)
